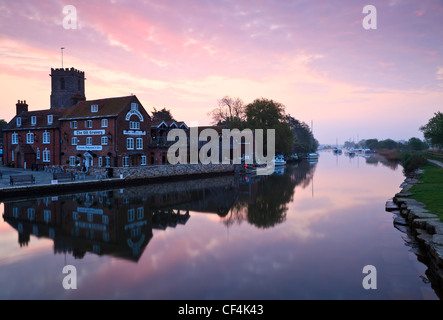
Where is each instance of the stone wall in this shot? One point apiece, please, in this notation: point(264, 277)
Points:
point(425, 226)
point(143, 172)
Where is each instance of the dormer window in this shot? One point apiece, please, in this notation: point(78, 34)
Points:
point(19, 122)
point(50, 119)
point(33, 120)
point(94, 108)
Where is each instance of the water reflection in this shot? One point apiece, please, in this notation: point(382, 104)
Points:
point(120, 222)
point(268, 197)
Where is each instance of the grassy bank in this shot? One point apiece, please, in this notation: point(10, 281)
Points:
point(430, 192)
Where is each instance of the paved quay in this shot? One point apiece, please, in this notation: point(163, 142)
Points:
point(44, 186)
point(41, 177)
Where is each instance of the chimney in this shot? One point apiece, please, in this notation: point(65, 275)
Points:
point(21, 106)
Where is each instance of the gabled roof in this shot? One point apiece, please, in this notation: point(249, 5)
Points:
point(109, 107)
point(169, 124)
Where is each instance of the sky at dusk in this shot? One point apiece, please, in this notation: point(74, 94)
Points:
point(313, 56)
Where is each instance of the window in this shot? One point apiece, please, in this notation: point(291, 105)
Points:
point(12, 156)
point(139, 143)
point(46, 155)
point(130, 143)
point(47, 215)
point(38, 154)
point(104, 123)
point(94, 108)
point(143, 161)
point(131, 215)
point(33, 120)
point(74, 141)
point(50, 119)
point(134, 106)
point(62, 83)
point(14, 138)
point(134, 125)
point(29, 138)
point(140, 213)
point(104, 141)
point(107, 161)
point(89, 141)
point(72, 161)
point(100, 161)
point(125, 161)
point(73, 124)
point(31, 214)
point(46, 137)
point(19, 122)
point(88, 124)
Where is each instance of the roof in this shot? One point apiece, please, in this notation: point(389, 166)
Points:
point(169, 124)
point(109, 107)
point(41, 118)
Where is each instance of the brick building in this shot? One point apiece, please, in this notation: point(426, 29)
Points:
point(111, 132)
point(32, 137)
point(158, 145)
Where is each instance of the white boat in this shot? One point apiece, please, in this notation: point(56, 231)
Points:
point(279, 161)
point(313, 156)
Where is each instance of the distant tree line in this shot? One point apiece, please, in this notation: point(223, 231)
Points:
point(291, 135)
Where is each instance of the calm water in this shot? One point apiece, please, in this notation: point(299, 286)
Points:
point(305, 233)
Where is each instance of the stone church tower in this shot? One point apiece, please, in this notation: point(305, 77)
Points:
point(67, 87)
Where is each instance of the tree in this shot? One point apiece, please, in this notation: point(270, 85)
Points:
point(372, 144)
point(416, 144)
point(304, 138)
point(433, 130)
point(229, 112)
point(162, 115)
point(268, 114)
point(3, 124)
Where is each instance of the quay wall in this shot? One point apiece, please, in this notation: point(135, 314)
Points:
point(425, 226)
point(122, 177)
point(171, 170)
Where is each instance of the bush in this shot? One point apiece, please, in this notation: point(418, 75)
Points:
point(412, 162)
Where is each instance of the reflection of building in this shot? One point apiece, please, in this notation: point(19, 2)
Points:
point(117, 222)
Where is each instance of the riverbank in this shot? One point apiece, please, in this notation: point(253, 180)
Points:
point(423, 218)
point(45, 186)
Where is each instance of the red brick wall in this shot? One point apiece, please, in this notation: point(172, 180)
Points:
point(21, 155)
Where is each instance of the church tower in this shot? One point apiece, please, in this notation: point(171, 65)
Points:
point(67, 87)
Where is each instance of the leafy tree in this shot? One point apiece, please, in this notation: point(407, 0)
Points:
point(372, 144)
point(304, 138)
point(433, 130)
point(161, 115)
point(387, 144)
point(3, 124)
point(268, 114)
point(416, 144)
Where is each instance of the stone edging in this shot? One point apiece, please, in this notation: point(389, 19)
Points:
point(425, 226)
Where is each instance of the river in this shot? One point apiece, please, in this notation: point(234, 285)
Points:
point(306, 232)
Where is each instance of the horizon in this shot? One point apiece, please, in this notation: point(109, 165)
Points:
point(316, 58)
